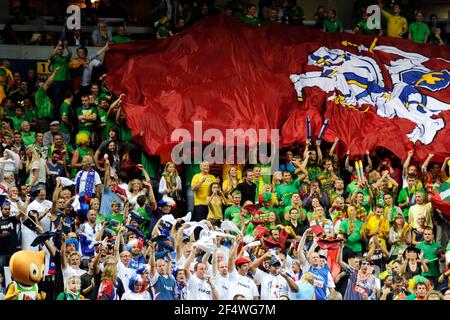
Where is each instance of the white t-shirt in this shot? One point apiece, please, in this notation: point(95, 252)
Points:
point(124, 274)
point(222, 284)
point(198, 289)
point(83, 179)
point(241, 285)
point(129, 295)
point(70, 271)
point(272, 287)
point(182, 260)
point(39, 164)
point(28, 235)
point(14, 208)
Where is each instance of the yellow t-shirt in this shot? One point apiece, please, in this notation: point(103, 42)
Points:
point(226, 185)
point(396, 25)
point(215, 209)
point(202, 192)
point(373, 224)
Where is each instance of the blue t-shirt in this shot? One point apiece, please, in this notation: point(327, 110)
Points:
point(137, 263)
point(305, 291)
point(164, 288)
point(107, 198)
point(320, 281)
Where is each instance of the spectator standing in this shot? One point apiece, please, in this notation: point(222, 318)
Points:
point(419, 31)
point(200, 186)
point(397, 26)
point(332, 23)
point(101, 36)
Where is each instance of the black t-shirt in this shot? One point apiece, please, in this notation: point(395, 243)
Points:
point(8, 235)
point(248, 192)
point(300, 228)
point(86, 282)
point(378, 260)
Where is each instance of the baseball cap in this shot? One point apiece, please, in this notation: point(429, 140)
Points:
point(240, 261)
point(274, 261)
point(55, 122)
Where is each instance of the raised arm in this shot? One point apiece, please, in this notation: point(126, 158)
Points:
point(292, 285)
point(425, 164)
point(333, 147)
point(301, 245)
point(117, 242)
point(63, 251)
point(188, 262)
point(50, 79)
point(47, 243)
point(151, 261)
point(107, 181)
point(319, 152)
point(347, 161)
point(406, 164)
point(69, 51)
point(444, 167)
point(102, 50)
point(339, 258)
point(258, 262)
point(369, 161)
point(232, 253)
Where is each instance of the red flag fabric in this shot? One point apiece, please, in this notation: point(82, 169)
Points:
point(442, 205)
point(332, 245)
point(229, 75)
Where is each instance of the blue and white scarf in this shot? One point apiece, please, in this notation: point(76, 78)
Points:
point(89, 185)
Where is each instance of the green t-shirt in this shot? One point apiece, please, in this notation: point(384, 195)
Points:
point(119, 39)
point(81, 153)
point(285, 191)
point(43, 103)
point(429, 253)
point(354, 240)
point(362, 25)
point(333, 26)
point(162, 32)
point(30, 114)
point(250, 227)
point(313, 171)
point(326, 181)
point(103, 117)
point(118, 218)
point(419, 31)
point(17, 122)
point(62, 62)
point(266, 173)
point(231, 211)
point(28, 138)
point(67, 296)
point(64, 111)
point(251, 20)
point(87, 125)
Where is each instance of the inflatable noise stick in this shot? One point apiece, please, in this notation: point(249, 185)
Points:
point(361, 171)
point(324, 127)
point(308, 128)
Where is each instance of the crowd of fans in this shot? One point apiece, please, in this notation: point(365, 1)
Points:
point(168, 18)
point(125, 227)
